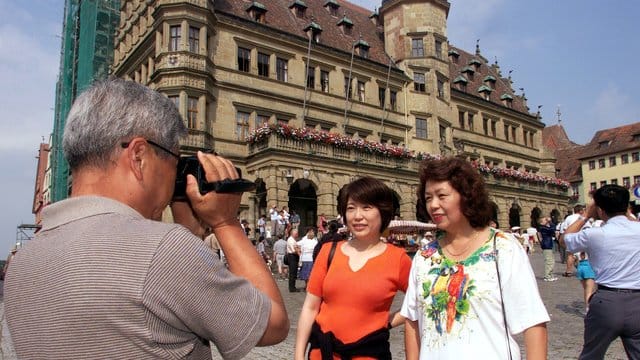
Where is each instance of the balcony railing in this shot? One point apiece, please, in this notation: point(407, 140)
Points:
point(330, 152)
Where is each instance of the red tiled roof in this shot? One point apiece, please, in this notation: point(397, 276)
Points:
point(554, 137)
point(280, 17)
point(501, 86)
point(614, 140)
point(566, 152)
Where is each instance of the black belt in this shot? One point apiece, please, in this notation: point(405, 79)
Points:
point(606, 288)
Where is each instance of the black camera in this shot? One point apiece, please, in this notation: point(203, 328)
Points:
point(191, 165)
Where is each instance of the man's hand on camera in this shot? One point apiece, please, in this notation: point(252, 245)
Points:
point(215, 209)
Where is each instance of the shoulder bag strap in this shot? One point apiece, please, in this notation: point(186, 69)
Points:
point(334, 244)
point(504, 313)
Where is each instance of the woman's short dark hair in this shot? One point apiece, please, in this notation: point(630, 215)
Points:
point(474, 199)
point(370, 191)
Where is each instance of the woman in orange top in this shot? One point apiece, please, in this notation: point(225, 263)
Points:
point(349, 295)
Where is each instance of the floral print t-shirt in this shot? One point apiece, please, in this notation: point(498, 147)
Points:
point(457, 303)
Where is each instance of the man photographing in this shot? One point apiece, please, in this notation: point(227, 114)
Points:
point(614, 254)
point(105, 279)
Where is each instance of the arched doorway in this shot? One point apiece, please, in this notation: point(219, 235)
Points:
point(555, 216)
point(514, 215)
point(304, 201)
point(535, 216)
point(261, 198)
point(495, 210)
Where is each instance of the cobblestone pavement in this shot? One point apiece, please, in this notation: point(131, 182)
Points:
point(563, 299)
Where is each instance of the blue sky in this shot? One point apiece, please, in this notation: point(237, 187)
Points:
point(580, 55)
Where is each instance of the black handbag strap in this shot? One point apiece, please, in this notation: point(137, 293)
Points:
point(334, 244)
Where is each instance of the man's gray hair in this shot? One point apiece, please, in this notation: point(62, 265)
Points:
point(114, 111)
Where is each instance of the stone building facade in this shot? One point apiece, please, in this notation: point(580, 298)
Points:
point(304, 96)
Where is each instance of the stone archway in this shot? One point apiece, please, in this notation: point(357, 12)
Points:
point(536, 213)
point(304, 201)
point(555, 216)
point(495, 210)
point(514, 215)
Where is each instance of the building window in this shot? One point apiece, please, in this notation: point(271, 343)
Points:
point(600, 163)
point(419, 82)
point(525, 137)
point(603, 183)
point(470, 121)
point(531, 139)
point(175, 99)
point(242, 125)
point(636, 179)
point(614, 181)
point(194, 39)
point(174, 38)
point(438, 49)
point(593, 186)
point(493, 128)
point(443, 134)
point(417, 47)
point(324, 81)
point(311, 77)
point(421, 128)
point(506, 132)
point(244, 59)
point(347, 87)
point(485, 126)
point(612, 161)
point(461, 119)
point(361, 91)
point(282, 66)
point(440, 89)
point(393, 99)
point(592, 164)
point(382, 92)
point(624, 158)
point(263, 64)
point(262, 119)
point(635, 156)
point(364, 52)
point(282, 121)
point(626, 182)
point(513, 134)
point(192, 113)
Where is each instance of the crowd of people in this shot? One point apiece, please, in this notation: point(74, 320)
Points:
point(106, 277)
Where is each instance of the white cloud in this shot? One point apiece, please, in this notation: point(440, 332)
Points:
point(613, 107)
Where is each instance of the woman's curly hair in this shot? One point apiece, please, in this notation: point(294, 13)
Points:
point(474, 198)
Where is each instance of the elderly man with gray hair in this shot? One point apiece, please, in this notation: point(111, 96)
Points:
point(104, 278)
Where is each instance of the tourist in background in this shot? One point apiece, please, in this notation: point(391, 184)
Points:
point(306, 245)
point(546, 232)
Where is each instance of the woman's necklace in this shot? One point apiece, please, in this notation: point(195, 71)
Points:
point(466, 248)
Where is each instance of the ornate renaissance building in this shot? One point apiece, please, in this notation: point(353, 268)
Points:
point(306, 95)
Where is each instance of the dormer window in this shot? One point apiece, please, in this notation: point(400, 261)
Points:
point(489, 80)
point(485, 91)
point(346, 24)
point(257, 11)
point(375, 17)
point(362, 48)
point(332, 6)
point(461, 82)
point(298, 7)
point(314, 30)
point(604, 144)
point(468, 71)
point(454, 56)
point(507, 100)
point(475, 63)
point(635, 137)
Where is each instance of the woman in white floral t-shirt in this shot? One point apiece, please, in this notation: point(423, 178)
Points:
point(454, 305)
